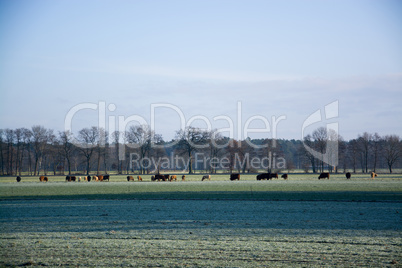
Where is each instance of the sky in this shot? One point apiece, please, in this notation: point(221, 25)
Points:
point(256, 69)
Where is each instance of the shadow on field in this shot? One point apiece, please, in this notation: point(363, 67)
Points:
point(234, 216)
point(367, 196)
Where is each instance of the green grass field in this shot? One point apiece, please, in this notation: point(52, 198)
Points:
point(301, 222)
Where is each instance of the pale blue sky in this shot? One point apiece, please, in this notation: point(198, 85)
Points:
point(278, 58)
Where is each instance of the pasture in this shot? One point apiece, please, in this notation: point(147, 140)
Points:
point(301, 222)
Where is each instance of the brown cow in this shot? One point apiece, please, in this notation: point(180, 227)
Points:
point(373, 174)
point(348, 175)
point(130, 178)
point(139, 178)
point(263, 176)
point(284, 176)
point(173, 178)
point(235, 176)
point(18, 179)
point(95, 178)
point(206, 177)
point(183, 178)
point(324, 175)
point(273, 175)
point(43, 178)
point(100, 177)
point(159, 177)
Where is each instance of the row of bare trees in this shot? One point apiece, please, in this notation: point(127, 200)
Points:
point(366, 153)
point(35, 150)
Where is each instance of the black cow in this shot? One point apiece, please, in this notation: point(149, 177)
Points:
point(18, 179)
point(70, 178)
point(130, 178)
point(235, 176)
point(206, 177)
point(324, 175)
point(106, 177)
point(284, 176)
point(263, 176)
point(348, 175)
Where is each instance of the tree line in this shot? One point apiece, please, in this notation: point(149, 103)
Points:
point(39, 150)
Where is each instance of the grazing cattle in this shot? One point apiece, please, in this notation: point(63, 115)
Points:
point(43, 178)
point(173, 178)
point(206, 177)
point(106, 177)
point(130, 178)
point(348, 175)
point(153, 178)
point(18, 179)
point(167, 176)
point(95, 178)
point(284, 176)
point(88, 178)
point(373, 174)
point(273, 175)
point(70, 178)
point(79, 178)
point(100, 177)
point(159, 177)
point(324, 175)
point(235, 176)
point(139, 178)
point(263, 176)
point(183, 178)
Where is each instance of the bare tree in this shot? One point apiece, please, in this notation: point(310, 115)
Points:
point(376, 149)
point(100, 147)
point(2, 151)
point(364, 142)
point(88, 138)
point(332, 149)
point(68, 147)
point(320, 137)
point(39, 139)
point(116, 136)
point(218, 142)
point(27, 137)
point(140, 138)
point(191, 140)
point(307, 157)
point(51, 153)
point(353, 152)
point(105, 152)
point(392, 150)
point(10, 150)
point(19, 134)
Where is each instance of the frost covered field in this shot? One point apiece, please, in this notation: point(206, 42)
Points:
point(50, 226)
